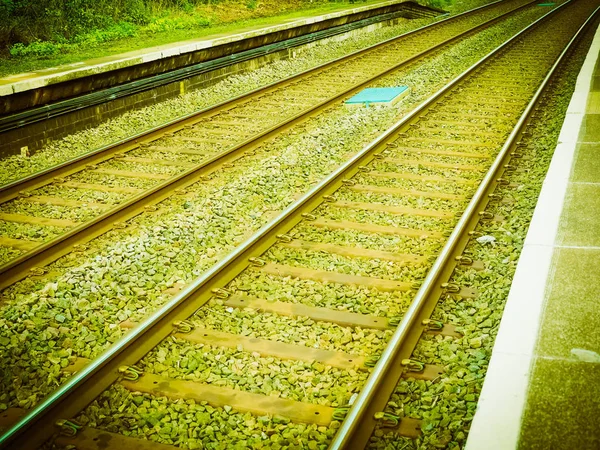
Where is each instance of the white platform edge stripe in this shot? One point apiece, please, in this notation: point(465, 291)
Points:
point(497, 421)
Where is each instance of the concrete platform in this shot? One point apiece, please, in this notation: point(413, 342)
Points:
point(154, 60)
point(542, 389)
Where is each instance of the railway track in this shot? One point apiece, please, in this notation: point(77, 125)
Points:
point(352, 259)
point(47, 215)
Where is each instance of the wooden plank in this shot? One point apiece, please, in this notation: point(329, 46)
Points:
point(102, 188)
point(240, 115)
point(353, 252)
point(429, 151)
point(58, 201)
point(475, 96)
point(202, 140)
point(455, 107)
point(10, 416)
point(417, 177)
point(467, 292)
point(284, 103)
point(254, 109)
point(431, 372)
point(19, 244)
point(20, 218)
point(514, 93)
point(416, 162)
point(325, 276)
point(95, 439)
point(277, 349)
point(390, 209)
point(476, 265)
point(437, 129)
point(506, 79)
point(371, 228)
point(267, 347)
point(438, 141)
point(459, 123)
point(225, 132)
point(46, 276)
point(447, 330)
point(241, 401)
point(177, 150)
point(507, 95)
point(233, 123)
point(405, 192)
point(157, 162)
point(343, 84)
point(463, 115)
point(408, 427)
point(343, 318)
point(131, 174)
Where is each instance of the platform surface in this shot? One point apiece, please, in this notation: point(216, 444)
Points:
point(542, 390)
point(35, 79)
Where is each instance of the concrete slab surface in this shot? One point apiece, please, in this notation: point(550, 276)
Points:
point(587, 163)
point(562, 406)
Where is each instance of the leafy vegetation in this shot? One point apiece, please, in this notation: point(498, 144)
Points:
point(59, 21)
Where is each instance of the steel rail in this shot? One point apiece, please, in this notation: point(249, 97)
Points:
point(33, 180)
point(344, 437)
point(63, 244)
point(70, 398)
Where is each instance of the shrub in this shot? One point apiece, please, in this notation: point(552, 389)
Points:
point(117, 31)
point(36, 48)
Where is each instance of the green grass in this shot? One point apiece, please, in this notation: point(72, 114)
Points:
point(91, 46)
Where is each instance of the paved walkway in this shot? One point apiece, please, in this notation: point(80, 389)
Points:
point(542, 390)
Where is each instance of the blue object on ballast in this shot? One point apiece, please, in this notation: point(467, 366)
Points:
point(378, 95)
